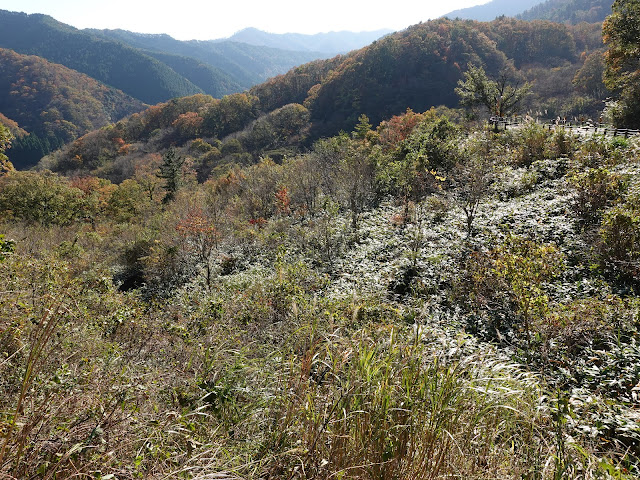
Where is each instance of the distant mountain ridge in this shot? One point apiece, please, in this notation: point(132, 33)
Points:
point(244, 64)
point(493, 9)
point(151, 68)
point(416, 68)
point(328, 42)
point(112, 63)
point(213, 81)
point(100, 76)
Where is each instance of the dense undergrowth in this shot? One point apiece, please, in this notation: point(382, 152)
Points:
point(417, 301)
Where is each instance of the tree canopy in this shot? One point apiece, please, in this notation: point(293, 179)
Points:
point(621, 32)
point(5, 142)
point(502, 97)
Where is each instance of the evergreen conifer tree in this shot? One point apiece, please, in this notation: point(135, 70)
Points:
point(171, 173)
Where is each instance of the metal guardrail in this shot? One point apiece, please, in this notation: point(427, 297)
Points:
point(583, 127)
point(506, 121)
point(606, 130)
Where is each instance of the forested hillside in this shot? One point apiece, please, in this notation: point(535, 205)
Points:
point(71, 104)
point(417, 69)
point(570, 11)
point(561, 11)
point(211, 80)
point(151, 68)
point(53, 105)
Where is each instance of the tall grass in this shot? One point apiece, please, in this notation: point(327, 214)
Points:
point(384, 405)
point(15, 434)
point(259, 379)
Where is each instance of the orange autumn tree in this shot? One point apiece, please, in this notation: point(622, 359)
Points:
point(200, 237)
point(391, 132)
point(96, 193)
point(188, 125)
point(283, 201)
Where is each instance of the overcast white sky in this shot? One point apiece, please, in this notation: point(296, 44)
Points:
point(205, 20)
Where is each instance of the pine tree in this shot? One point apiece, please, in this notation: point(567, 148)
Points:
point(171, 173)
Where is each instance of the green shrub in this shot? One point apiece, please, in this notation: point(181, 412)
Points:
point(433, 145)
point(127, 201)
point(231, 146)
point(505, 287)
point(40, 198)
point(7, 247)
point(200, 146)
point(598, 151)
point(595, 189)
point(588, 322)
point(620, 242)
point(561, 143)
point(532, 144)
point(526, 265)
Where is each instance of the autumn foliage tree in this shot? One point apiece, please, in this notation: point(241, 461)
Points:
point(96, 193)
point(201, 237)
point(188, 125)
point(588, 79)
point(391, 132)
point(5, 142)
point(283, 201)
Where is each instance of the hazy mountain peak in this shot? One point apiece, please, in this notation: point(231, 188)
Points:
point(493, 9)
point(326, 42)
